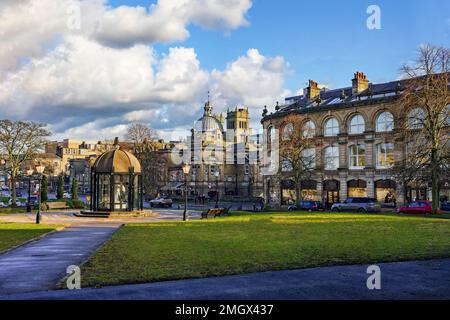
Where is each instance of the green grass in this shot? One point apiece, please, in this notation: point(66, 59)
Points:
point(250, 243)
point(13, 234)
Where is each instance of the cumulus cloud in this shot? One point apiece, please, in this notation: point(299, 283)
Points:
point(253, 80)
point(92, 82)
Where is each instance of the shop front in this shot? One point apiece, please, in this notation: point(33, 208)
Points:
point(385, 191)
point(331, 192)
point(357, 189)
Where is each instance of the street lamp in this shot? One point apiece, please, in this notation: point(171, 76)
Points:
point(40, 170)
point(217, 173)
point(29, 173)
point(186, 168)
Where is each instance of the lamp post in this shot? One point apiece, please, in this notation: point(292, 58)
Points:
point(29, 173)
point(40, 170)
point(186, 168)
point(217, 173)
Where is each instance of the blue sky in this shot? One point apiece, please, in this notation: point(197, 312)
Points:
point(325, 40)
point(116, 69)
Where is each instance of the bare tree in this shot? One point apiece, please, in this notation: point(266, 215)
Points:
point(296, 152)
point(425, 106)
point(146, 144)
point(19, 142)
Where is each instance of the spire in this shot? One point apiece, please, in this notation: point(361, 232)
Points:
point(208, 107)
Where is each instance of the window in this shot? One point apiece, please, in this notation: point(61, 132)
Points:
point(331, 127)
point(309, 158)
point(331, 158)
point(415, 118)
point(357, 125)
point(286, 165)
point(287, 131)
point(309, 130)
point(385, 155)
point(269, 136)
point(385, 122)
point(357, 154)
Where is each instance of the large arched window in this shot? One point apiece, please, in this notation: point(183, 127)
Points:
point(309, 129)
point(287, 131)
point(385, 122)
point(331, 127)
point(357, 156)
point(416, 117)
point(331, 158)
point(357, 125)
point(385, 155)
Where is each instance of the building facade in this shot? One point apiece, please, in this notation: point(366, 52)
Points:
point(223, 156)
point(356, 140)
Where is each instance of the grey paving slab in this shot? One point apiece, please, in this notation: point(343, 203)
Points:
point(399, 281)
point(39, 265)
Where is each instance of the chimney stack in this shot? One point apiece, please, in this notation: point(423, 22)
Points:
point(312, 91)
point(359, 83)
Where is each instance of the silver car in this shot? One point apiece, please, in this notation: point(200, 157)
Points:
point(362, 205)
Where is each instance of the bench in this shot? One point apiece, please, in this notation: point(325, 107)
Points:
point(57, 205)
point(216, 212)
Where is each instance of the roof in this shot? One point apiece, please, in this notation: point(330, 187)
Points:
point(340, 98)
point(117, 161)
point(208, 123)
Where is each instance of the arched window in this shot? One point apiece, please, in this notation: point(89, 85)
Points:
point(357, 125)
point(357, 156)
point(309, 129)
point(269, 136)
point(287, 131)
point(331, 127)
point(385, 122)
point(385, 155)
point(416, 117)
point(332, 158)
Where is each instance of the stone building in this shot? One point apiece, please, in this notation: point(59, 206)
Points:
point(357, 141)
point(223, 156)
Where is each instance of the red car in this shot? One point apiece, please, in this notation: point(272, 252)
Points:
point(419, 207)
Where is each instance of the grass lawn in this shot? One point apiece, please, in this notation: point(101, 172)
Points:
point(250, 243)
point(13, 234)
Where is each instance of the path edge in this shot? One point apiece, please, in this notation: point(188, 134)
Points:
point(59, 283)
point(59, 229)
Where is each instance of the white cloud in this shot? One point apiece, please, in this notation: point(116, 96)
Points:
point(252, 80)
point(29, 27)
point(93, 82)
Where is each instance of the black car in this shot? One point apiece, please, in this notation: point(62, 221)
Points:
point(445, 206)
point(307, 205)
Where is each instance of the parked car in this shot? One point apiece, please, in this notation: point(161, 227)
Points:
point(417, 207)
point(3, 205)
point(33, 200)
point(18, 203)
point(307, 205)
point(67, 195)
point(445, 206)
point(161, 202)
point(362, 205)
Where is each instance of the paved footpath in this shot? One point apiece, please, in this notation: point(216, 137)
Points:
point(39, 265)
point(404, 280)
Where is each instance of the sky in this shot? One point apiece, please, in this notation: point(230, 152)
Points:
point(89, 68)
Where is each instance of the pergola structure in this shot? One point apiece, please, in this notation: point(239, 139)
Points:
point(116, 182)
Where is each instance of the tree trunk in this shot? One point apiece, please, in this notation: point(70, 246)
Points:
point(298, 194)
point(434, 182)
point(13, 191)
